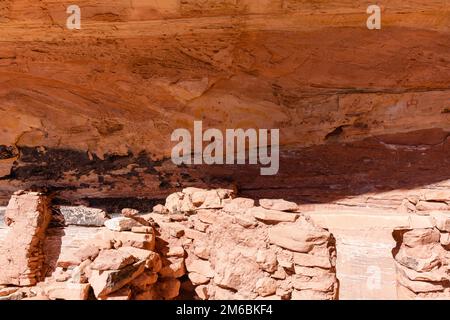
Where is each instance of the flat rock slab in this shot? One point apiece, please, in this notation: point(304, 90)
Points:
point(112, 260)
point(106, 282)
point(83, 216)
point(278, 204)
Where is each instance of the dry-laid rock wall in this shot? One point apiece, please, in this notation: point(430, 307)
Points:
point(203, 244)
point(422, 259)
point(89, 113)
point(21, 253)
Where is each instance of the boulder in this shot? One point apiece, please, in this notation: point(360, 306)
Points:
point(309, 260)
point(267, 259)
point(129, 213)
point(272, 216)
point(67, 291)
point(168, 288)
point(130, 239)
point(431, 206)
point(86, 252)
point(238, 205)
point(112, 260)
point(441, 220)
point(105, 282)
point(83, 216)
point(21, 254)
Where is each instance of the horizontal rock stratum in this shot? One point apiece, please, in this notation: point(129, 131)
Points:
point(90, 112)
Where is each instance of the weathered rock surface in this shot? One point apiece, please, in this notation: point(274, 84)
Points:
point(422, 264)
point(211, 254)
point(364, 121)
point(83, 216)
point(21, 256)
point(229, 260)
point(340, 93)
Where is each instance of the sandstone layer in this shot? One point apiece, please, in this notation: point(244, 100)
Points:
point(203, 244)
point(89, 113)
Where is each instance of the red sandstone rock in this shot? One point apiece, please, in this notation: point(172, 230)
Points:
point(228, 261)
point(431, 206)
point(309, 260)
point(421, 264)
point(142, 229)
point(129, 213)
point(266, 287)
point(238, 205)
point(419, 237)
point(197, 279)
point(68, 291)
point(297, 238)
point(278, 205)
point(87, 252)
point(175, 268)
point(130, 239)
point(202, 292)
point(112, 260)
point(124, 293)
point(145, 280)
point(121, 224)
point(201, 267)
point(272, 216)
point(168, 288)
point(159, 208)
point(441, 220)
point(105, 282)
point(21, 257)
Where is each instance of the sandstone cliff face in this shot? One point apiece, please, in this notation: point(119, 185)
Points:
point(207, 244)
point(89, 112)
point(202, 244)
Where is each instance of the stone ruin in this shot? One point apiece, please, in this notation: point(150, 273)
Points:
point(202, 244)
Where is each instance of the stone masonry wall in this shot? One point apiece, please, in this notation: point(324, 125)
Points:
point(422, 258)
point(201, 245)
point(236, 250)
point(207, 244)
